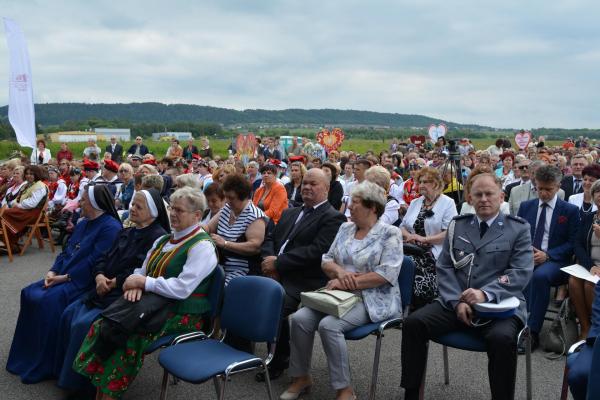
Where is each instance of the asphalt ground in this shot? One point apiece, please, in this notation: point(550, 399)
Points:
point(468, 371)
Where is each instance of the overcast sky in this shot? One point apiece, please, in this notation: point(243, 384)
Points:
point(503, 64)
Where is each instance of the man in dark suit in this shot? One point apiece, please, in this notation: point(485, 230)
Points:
point(553, 229)
point(579, 370)
point(292, 254)
point(523, 167)
point(138, 148)
point(486, 258)
point(115, 150)
point(573, 184)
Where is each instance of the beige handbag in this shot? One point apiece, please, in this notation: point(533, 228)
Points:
point(332, 302)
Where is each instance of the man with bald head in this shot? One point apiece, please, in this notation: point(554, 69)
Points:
point(292, 254)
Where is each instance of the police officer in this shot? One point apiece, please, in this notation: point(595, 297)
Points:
point(494, 261)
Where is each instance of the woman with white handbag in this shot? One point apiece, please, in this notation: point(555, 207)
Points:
point(365, 259)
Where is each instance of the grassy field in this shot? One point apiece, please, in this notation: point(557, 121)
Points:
point(220, 146)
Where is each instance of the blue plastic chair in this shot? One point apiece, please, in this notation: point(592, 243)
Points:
point(469, 340)
point(215, 298)
point(251, 310)
point(405, 283)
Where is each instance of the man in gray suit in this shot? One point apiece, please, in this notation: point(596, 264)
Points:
point(498, 257)
point(527, 190)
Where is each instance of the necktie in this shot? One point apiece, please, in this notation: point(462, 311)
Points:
point(483, 227)
point(577, 185)
point(306, 211)
point(540, 228)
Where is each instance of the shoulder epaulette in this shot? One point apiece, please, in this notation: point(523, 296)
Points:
point(457, 217)
point(516, 218)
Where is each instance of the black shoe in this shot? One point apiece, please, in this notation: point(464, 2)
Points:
point(411, 394)
point(274, 373)
point(535, 343)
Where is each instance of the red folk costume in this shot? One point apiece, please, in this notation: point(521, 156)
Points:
point(411, 191)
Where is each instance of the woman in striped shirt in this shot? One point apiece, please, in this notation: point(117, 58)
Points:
point(238, 229)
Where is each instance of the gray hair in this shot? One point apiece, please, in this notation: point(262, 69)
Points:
point(127, 166)
point(190, 180)
point(595, 187)
point(252, 164)
point(153, 181)
point(371, 192)
point(548, 173)
point(536, 164)
point(193, 197)
point(379, 175)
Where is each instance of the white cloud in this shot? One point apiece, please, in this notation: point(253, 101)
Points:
point(512, 64)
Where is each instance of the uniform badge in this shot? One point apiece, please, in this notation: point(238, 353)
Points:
point(504, 280)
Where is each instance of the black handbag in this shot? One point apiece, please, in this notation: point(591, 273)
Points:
point(124, 318)
point(413, 250)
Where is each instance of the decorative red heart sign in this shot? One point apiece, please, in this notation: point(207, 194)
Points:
point(245, 146)
point(417, 140)
point(436, 132)
point(331, 140)
point(522, 139)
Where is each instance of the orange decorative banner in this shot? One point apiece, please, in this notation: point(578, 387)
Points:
point(245, 146)
point(331, 140)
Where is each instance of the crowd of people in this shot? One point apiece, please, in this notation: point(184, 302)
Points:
point(138, 228)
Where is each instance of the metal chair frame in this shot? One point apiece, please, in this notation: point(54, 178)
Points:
point(524, 334)
point(388, 324)
point(220, 380)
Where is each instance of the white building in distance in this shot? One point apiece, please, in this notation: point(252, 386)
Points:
point(168, 135)
point(104, 134)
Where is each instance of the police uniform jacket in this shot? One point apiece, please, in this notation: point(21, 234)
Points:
point(502, 265)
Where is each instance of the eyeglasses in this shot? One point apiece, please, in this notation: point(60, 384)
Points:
point(523, 167)
point(178, 210)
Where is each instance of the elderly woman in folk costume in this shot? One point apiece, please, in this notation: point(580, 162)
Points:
point(43, 302)
point(178, 270)
point(127, 253)
point(26, 208)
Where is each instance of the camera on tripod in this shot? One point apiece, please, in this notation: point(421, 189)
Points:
point(453, 152)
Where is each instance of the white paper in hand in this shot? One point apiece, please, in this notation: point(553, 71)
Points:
point(580, 272)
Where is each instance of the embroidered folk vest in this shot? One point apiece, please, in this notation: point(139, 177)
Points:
point(169, 264)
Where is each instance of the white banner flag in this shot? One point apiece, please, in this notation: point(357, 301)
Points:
point(21, 113)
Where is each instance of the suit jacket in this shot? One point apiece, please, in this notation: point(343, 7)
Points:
point(297, 200)
point(509, 187)
point(524, 193)
point(583, 241)
point(502, 266)
point(380, 252)
point(143, 149)
point(595, 329)
point(188, 153)
point(299, 266)
point(563, 228)
point(567, 185)
point(117, 155)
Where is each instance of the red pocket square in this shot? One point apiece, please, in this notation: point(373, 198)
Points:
point(562, 219)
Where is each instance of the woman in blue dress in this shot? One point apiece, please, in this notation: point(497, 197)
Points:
point(127, 253)
point(34, 344)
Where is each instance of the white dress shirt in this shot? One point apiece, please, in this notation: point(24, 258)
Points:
point(201, 261)
point(549, 212)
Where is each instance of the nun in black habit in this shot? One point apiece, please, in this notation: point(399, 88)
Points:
point(33, 348)
point(148, 212)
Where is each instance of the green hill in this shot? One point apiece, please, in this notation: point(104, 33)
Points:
point(59, 113)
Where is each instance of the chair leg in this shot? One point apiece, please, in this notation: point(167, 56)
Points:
point(446, 369)
point(222, 394)
point(6, 242)
point(28, 241)
point(164, 384)
point(39, 237)
point(565, 384)
point(268, 381)
point(529, 395)
point(375, 372)
point(422, 388)
point(217, 386)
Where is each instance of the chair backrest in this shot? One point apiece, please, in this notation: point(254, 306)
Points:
point(593, 386)
point(215, 292)
point(252, 308)
point(405, 281)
